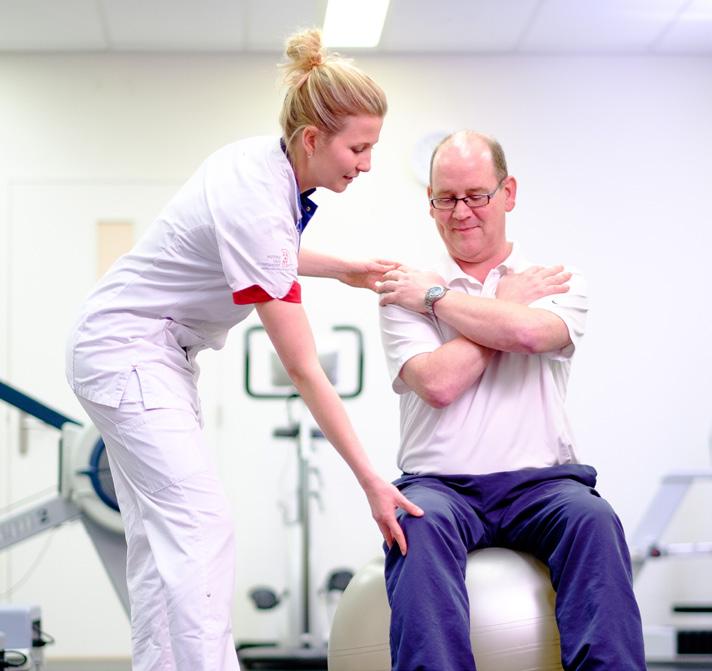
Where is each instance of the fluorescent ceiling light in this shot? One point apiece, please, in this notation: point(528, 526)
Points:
point(354, 23)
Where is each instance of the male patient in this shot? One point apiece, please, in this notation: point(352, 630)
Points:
point(480, 350)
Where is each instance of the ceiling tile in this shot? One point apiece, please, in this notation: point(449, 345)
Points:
point(189, 25)
point(599, 25)
point(412, 26)
point(455, 25)
point(48, 25)
point(270, 22)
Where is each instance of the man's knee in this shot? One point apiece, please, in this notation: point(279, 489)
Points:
point(438, 525)
point(594, 517)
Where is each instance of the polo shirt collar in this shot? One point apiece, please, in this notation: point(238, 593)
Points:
point(451, 271)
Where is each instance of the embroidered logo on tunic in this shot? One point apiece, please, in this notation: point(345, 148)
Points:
point(279, 261)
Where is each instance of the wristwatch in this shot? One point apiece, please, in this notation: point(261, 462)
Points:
point(432, 296)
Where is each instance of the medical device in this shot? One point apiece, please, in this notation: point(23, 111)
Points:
point(689, 637)
point(24, 640)
point(303, 644)
point(85, 491)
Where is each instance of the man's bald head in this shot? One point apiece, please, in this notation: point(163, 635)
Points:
point(470, 143)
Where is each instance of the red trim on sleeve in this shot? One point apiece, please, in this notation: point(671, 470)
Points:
point(256, 294)
point(294, 295)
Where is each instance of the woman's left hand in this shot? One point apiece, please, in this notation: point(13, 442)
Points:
point(365, 274)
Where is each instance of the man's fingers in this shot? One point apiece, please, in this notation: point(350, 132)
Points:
point(558, 289)
point(552, 270)
point(561, 276)
point(557, 283)
point(386, 286)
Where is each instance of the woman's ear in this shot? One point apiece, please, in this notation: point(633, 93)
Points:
point(309, 140)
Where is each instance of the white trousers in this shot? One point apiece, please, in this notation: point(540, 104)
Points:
point(179, 533)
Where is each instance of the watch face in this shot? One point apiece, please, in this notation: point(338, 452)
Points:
point(431, 295)
point(435, 292)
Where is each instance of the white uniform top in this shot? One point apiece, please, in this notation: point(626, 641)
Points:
point(227, 239)
point(513, 417)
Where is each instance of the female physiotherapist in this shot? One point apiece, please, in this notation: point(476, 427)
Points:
point(226, 243)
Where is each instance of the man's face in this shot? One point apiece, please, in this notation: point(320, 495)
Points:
point(463, 169)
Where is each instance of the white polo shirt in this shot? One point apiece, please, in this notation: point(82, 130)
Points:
point(227, 239)
point(513, 417)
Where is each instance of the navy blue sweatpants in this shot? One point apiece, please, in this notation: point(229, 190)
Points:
point(552, 513)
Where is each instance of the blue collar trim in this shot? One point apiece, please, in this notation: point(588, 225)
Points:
point(307, 206)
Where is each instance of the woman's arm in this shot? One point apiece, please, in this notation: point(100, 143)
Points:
point(360, 274)
point(288, 329)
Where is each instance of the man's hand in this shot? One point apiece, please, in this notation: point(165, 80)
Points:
point(366, 274)
point(533, 283)
point(406, 287)
point(384, 499)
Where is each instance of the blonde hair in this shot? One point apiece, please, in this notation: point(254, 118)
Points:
point(323, 88)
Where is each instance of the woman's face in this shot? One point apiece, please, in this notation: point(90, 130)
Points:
point(338, 159)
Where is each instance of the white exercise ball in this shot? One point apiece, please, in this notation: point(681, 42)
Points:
point(512, 622)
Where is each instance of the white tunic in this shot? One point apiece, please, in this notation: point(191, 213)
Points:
point(513, 417)
point(229, 236)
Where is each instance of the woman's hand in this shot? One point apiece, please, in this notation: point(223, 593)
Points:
point(366, 274)
point(287, 326)
point(384, 498)
point(533, 283)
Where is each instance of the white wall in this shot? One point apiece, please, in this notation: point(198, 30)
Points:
point(613, 158)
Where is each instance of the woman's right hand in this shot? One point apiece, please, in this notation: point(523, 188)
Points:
point(365, 274)
point(384, 499)
point(533, 283)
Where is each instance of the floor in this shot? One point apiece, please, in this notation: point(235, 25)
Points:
point(87, 665)
point(69, 665)
point(119, 665)
point(125, 665)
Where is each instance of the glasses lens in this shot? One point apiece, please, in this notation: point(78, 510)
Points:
point(476, 201)
point(444, 203)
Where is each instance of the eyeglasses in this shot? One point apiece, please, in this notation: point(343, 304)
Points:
point(473, 202)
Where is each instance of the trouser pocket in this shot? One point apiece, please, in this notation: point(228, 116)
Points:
point(160, 448)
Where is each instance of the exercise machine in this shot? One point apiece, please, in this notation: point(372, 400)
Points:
point(303, 647)
point(85, 491)
point(24, 639)
point(689, 638)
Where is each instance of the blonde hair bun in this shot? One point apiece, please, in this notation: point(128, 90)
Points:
point(323, 88)
point(304, 51)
